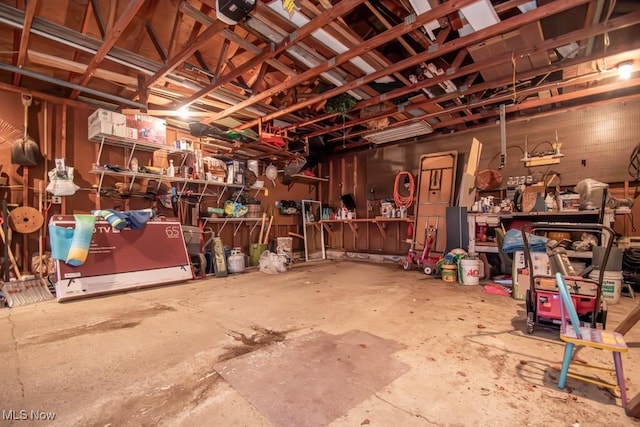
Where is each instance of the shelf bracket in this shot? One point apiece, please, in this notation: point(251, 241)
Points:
point(381, 229)
point(238, 227)
point(203, 191)
point(221, 194)
point(353, 228)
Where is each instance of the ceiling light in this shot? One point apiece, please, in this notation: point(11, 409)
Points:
point(183, 112)
point(399, 133)
point(625, 69)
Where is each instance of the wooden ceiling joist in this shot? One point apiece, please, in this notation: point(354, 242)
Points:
point(155, 40)
point(110, 40)
point(230, 35)
point(94, 6)
point(24, 38)
point(478, 36)
point(372, 43)
point(187, 52)
point(294, 38)
point(617, 23)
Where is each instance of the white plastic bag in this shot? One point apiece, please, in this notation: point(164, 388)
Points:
point(271, 263)
point(61, 184)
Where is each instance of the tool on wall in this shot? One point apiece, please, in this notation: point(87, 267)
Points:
point(25, 151)
point(503, 137)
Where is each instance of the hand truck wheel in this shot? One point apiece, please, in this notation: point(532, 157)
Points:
point(406, 265)
point(530, 322)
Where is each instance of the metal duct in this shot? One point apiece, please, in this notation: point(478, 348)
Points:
point(49, 79)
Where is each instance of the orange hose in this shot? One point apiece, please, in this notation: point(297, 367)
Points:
point(403, 201)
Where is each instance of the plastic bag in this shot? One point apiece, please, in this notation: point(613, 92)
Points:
point(61, 184)
point(271, 263)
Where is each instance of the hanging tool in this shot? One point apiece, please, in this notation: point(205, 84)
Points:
point(264, 218)
point(8, 254)
point(266, 234)
point(503, 137)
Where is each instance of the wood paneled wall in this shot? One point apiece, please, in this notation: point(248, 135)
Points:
point(597, 142)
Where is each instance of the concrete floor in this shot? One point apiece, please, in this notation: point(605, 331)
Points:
point(146, 357)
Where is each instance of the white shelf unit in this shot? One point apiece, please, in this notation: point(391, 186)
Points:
point(181, 183)
point(237, 221)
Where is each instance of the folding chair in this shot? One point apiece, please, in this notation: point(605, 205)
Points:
point(577, 335)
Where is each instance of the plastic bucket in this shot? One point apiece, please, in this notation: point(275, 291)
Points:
point(611, 285)
point(448, 273)
point(614, 263)
point(469, 271)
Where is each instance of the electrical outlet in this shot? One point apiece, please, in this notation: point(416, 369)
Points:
point(56, 200)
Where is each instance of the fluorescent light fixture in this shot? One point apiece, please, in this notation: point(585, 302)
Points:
point(625, 70)
point(399, 133)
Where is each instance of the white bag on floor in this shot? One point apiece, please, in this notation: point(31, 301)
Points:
point(271, 263)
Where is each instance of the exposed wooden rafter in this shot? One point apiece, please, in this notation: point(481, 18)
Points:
point(187, 51)
point(94, 6)
point(502, 27)
point(294, 38)
point(111, 38)
point(339, 59)
point(24, 37)
point(624, 21)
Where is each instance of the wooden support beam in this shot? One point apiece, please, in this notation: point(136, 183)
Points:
point(233, 37)
point(97, 14)
point(174, 32)
point(222, 56)
point(633, 407)
point(475, 37)
point(157, 44)
point(629, 321)
point(110, 39)
point(24, 38)
point(143, 92)
point(294, 38)
point(622, 22)
point(188, 50)
point(56, 62)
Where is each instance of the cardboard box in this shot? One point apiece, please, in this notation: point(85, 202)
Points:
point(569, 202)
point(149, 129)
point(521, 271)
point(105, 122)
point(235, 172)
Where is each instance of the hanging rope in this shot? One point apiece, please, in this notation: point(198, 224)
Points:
point(403, 201)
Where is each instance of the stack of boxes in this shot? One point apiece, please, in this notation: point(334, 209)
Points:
point(139, 127)
point(109, 123)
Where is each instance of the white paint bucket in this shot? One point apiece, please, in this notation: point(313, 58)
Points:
point(611, 285)
point(469, 271)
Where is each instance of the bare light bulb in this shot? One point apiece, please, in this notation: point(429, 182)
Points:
point(183, 112)
point(625, 69)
